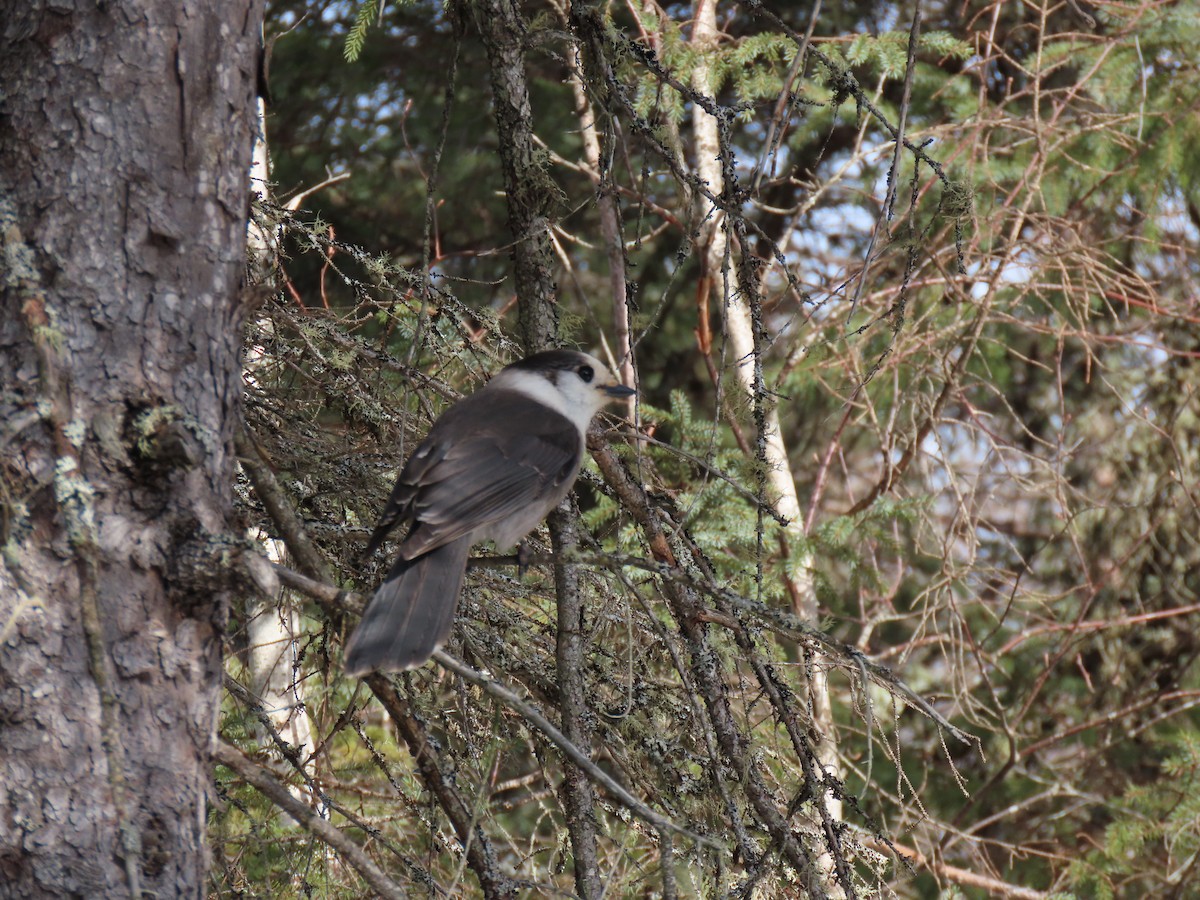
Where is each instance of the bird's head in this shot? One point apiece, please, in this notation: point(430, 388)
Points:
point(576, 384)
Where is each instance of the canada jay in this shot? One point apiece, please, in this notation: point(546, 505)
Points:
point(491, 468)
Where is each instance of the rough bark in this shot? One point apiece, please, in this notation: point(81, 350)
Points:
point(570, 657)
point(527, 183)
point(125, 135)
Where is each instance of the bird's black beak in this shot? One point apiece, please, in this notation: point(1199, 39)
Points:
point(617, 391)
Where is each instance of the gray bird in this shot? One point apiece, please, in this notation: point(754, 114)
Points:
point(493, 465)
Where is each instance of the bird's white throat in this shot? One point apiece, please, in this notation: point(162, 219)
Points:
point(572, 398)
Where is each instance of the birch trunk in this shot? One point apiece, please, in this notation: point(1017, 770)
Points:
point(718, 272)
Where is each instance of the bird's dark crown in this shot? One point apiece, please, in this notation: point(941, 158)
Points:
point(550, 360)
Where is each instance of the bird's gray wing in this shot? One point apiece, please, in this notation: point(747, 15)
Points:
point(399, 507)
point(519, 481)
point(400, 504)
point(509, 457)
point(494, 455)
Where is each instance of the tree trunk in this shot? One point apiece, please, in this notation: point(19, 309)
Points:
point(125, 134)
point(531, 191)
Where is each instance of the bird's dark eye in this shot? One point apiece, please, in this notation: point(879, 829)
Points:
point(586, 373)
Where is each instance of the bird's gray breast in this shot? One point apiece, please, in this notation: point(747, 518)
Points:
point(492, 466)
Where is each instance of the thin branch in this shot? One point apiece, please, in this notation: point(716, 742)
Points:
point(438, 776)
point(279, 507)
point(293, 205)
point(775, 129)
point(993, 886)
point(327, 594)
point(266, 784)
point(490, 686)
point(885, 211)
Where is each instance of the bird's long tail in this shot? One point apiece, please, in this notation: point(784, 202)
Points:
point(412, 613)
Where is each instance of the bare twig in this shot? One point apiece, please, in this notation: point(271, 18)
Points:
point(266, 783)
point(578, 757)
point(885, 210)
point(279, 507)
point(993, 886)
